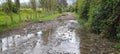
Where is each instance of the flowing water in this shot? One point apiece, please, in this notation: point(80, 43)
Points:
point(60, 40)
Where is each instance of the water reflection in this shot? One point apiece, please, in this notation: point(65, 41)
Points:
point(62, 41)
point(39, 34)
point(14, 41)
point(66, 36)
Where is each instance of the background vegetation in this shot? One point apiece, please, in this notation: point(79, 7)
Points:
point(15, 13)
point(100, 16)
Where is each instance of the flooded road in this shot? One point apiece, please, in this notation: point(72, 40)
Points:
point(56, 37)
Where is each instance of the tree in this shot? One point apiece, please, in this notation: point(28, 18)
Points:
point(52, 6)
point(9, 2)
point(33, 6)
point(17, 2)
point(45, 5)
point(48, 6)
point(42, 2)
point(62, 4)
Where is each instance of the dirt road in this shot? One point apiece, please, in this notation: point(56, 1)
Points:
point(63, 35)
point(51, 37)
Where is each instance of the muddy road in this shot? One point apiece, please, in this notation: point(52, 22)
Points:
point(63, 35)
point(51, 37)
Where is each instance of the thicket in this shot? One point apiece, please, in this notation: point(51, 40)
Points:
point(101, 16)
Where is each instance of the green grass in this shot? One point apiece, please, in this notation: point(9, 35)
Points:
point(24, 14)
point(81, 21)
point(117, 46)
point(6, 24)
point(46, 18)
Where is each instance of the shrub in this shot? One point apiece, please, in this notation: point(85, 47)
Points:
point(101, 16)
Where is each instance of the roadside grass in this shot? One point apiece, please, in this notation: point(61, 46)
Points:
point(28, 15)
point(16, 24)
point(81, 21)
point(46, 18)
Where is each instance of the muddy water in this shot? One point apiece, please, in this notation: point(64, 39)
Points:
point(60, 40)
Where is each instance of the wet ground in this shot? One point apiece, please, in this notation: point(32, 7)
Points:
point(95, 44)
point(51, 37)
point(62, 35)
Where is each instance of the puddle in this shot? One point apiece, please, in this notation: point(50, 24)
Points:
point(64, 41)
point(60, 40)
point(39, 34)
point(14, 41)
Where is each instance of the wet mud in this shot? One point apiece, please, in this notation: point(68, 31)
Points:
point(51, 37)
point(63, 35)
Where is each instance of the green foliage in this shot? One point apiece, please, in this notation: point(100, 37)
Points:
point(33, 4)
point(46, 18)
point(6, 9)
point(39, 11)
point(71, 8)
point(83, 8)
point(59, 10)
point(117, 46)
point(49, 6)
point(118, 31)
point(101, 16)
point(24, 13)
point(62, 3)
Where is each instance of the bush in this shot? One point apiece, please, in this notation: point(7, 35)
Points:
point(84, 8)
point(101, 16)
point(118, 31)
point(39, 11)
point(5, 8)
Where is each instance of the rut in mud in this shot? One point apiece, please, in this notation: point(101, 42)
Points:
point(51, 37)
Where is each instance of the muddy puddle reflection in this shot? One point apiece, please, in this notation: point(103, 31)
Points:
point(60, 40)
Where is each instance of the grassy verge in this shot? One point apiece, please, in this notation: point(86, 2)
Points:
point(81, 21)
point(46, 18)
point(16, 24)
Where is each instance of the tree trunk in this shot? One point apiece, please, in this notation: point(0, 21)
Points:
point(19, 16)
point(35, 13)
point(11, 17)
